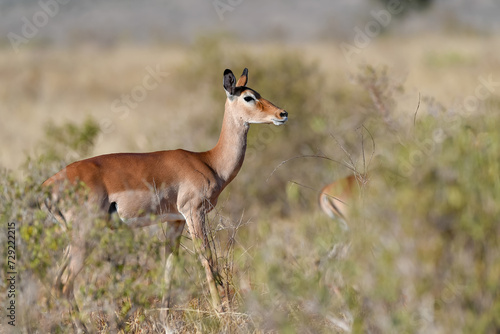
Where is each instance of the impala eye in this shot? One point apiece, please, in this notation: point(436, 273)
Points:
point(249, 98)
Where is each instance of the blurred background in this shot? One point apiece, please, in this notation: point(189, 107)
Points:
point(96, 45)
point(109, 23)
point(406, 91)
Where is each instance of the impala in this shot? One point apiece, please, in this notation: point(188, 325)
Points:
point(335, 198)
point(177, 187)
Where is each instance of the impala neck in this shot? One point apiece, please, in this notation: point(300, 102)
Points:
point(227, 156)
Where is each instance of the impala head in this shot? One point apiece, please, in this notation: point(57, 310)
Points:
point(248, 104)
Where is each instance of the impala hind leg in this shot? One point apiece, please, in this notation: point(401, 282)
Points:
point(196, 226)
point(71, 265)
point(64, 284)
point(173, 238)
point(58, 282)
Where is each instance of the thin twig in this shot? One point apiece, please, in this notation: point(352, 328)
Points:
point(303, 157)
point(363, 151)
point(311, 188)
point(353, 164)
point(416, 110)
point(373, 145)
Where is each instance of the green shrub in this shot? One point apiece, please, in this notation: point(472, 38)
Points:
point(427, 231)
point(69, 141)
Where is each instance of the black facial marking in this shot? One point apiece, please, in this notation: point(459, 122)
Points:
point(241, 89)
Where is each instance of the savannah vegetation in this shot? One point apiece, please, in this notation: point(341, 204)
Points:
point(422, 252)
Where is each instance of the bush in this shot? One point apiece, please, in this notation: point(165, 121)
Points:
point(424, 240)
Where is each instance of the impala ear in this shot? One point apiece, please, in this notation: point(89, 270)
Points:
point(242, 81)
point(229, 82)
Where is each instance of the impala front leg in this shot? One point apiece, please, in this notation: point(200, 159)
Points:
point(196, 225)
point(173, 236)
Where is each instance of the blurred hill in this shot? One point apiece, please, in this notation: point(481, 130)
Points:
point(108, 22)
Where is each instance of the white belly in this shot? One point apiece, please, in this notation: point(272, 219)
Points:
point(151, 219)
point(144, 208)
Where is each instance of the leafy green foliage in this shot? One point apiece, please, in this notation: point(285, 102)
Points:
point(431, 226)
point(71, 139)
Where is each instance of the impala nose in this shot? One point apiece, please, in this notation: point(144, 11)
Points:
point(283, 114)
